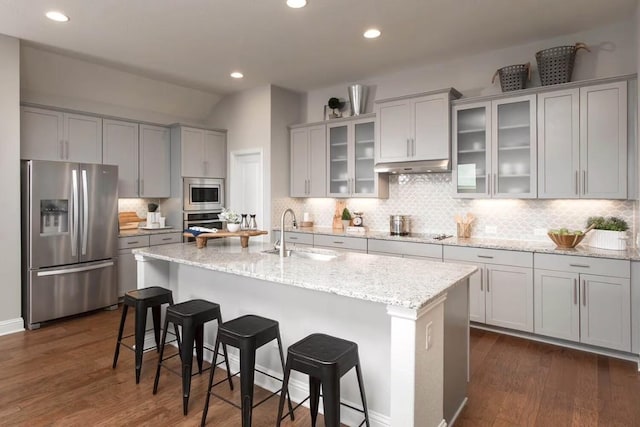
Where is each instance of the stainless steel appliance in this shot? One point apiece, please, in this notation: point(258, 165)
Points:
point(203, 194)
point(399, 225)
point(70, 232)
point(201, 219)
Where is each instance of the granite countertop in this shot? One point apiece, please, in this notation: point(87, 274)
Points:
point(143, 232)
point(394, 281)
point(513, 245)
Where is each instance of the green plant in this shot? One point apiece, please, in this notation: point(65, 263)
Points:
point(612, 223)
point(346, 215)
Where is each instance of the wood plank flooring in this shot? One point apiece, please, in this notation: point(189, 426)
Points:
point(61, 375)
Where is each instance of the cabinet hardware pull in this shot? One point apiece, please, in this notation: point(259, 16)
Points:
point(308, 186)
point(575, 291)
point(293, 238)
point(579, 265)
point(584, 182)
point(488, 288)
point(488, 183)
point(481, 281)
point(485, 256)
point(61, 150)
point(408, 147)
point(584, 293)
point(338, 242)
point(141, 187)
point(577, 183)
point(133, 243)
point(413, 146)
point(66, 144)
point(166, 238)
point(495, 184)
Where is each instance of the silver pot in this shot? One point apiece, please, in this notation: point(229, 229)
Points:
point(399, 225)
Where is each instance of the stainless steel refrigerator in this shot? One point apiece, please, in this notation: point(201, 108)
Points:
point(70, 232)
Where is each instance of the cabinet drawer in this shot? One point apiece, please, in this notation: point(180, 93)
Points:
point(293, 237)
point(489, 256)
point(165, 238)
point(133, 242)
point(583, 264)
point(349, 243)
point(405, 248)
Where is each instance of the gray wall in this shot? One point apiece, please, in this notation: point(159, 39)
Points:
point(286, 108)
point(9, 178)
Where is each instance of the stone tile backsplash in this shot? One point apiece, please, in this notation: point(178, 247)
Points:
point(428, 198)
point(138, 206)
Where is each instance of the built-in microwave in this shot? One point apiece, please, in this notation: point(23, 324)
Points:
point(203, 194)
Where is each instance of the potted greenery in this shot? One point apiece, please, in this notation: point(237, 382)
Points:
point(346, 218)
point(231, 218)
point(608, 233)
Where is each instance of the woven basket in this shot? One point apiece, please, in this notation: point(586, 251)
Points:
point(513, 77)
point(556, 64)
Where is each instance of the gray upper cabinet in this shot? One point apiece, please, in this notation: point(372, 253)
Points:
point(120, 147)
point(155, 161)
point(603, 140)
point(495, 148)
point(204, 152)
point(414, 128)
point(142, 154)
point(582, 142)
point(54, 135)
point(308, 161)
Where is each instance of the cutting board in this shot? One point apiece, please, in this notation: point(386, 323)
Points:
point(129, 220)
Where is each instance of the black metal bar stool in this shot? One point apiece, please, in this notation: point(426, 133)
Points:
point(152, 297)
point(325, 359)
point(247, 333)
point(191, 315)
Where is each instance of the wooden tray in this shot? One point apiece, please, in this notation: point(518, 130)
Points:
point(201, 239)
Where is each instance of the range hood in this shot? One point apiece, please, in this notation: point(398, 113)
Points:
point(419, 166)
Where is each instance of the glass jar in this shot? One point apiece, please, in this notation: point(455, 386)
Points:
point(252, 222)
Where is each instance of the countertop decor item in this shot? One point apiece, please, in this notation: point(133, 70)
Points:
point(129, 220)
point(346, 218)
point(337, 214)
point(566, 239)
point(152, 207)
point(335, 104)
point(556, 63)
point(513, 77)
point(609, 233)
point(463, 225)
point(358, 99)
point(229, 216)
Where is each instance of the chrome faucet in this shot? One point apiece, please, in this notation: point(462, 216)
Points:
point(283, 249)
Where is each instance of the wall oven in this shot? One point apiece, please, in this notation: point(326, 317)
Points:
point(203, 194)
point(201, 219)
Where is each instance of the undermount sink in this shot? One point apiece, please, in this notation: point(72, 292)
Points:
point(314, 254)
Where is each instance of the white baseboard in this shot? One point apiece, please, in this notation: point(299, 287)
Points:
point(443, 423)
point(11, 326)
point(458, 412)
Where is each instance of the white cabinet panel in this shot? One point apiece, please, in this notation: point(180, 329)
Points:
point(215, 154)
point(203, 152)
point(393, 129)
point(192, 141)
point(41, 134)
point(509, 297)
point(120, 147)
point(431, 126)
point(556, 302)
point(83, 138)
point(155, 161)
point(308, 162)
point(299, 162)
point(127, 272)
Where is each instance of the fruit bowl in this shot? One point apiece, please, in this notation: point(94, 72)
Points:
point(566, 241)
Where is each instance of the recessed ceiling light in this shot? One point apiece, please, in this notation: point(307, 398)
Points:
point(57, 16)
point(372, 33)
point(237, 75)
point(296, 4)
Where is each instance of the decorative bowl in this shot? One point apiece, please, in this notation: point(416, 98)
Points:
point(233, 227)
point(566, 241)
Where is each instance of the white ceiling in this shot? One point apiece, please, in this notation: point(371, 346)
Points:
point(197, 43)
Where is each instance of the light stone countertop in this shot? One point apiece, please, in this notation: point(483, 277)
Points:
point(512, 245)
point(141, 232)
point(398, 282)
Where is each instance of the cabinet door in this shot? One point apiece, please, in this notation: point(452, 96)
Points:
point(83, 138)
point(317, 186)
point(120, 147)
point(192, 150)
point(603, 141)
point(556, 303)
point(155, 161)
point(430, 128)
point(41, 134)
point(477, 282)
point(559, 144)
point(393, 130)
point(364, 177)
point(215, 154)
point(472, 149)
point(514, 148)
point(509, 297)
point(605, 317)
point(127, 272)
point(338, 136)
point(300, 162)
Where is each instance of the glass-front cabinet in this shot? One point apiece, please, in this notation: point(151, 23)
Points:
point(494, 148)
point(350, 162)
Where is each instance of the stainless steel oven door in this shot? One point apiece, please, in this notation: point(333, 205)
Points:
point(202, 194)
point(209, 223)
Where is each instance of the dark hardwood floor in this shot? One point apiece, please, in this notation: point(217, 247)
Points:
point(61, 375)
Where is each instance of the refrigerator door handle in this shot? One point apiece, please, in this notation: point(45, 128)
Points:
point(60, 271)
point(74, 213)
point(85, 212)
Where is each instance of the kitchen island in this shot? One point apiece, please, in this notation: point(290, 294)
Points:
point(408, 317)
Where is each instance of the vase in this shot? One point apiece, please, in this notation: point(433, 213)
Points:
point(358, 99)
point(233, 227)
point(345, 223)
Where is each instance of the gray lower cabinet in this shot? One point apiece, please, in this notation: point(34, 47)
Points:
point(405, 249)
point(592, 308)
point(127, 266)
point(351, 244)
point(294, 239)
point(501, 291)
